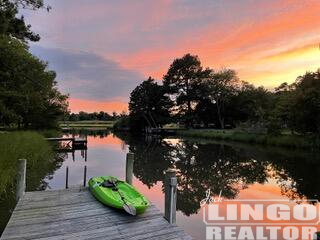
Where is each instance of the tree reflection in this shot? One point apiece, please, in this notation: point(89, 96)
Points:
point(298, 176)
point(152, 159)
point(230, 168)
point(216, 167)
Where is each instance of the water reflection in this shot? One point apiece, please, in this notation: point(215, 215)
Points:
point(230, 168)
point(239, 170)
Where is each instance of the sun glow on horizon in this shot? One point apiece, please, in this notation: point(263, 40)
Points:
point(266, 42)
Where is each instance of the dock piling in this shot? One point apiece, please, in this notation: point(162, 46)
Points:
point(85, 176)
point(129, 167)
point(21, 178)
point(170, 185)
point(67, 177)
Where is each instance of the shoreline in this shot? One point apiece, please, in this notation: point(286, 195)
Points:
point(287, 141)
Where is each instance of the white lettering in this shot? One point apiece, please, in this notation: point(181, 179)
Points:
point(308, 232)
point(274, 214)
point(214, 212)
point(247, 211)
point(230, 233)
point(305, 212)
point(260, 234)
point(213, 233)
point(245, 233)
point(290, 233)
point(232, 212)
point(273, 232)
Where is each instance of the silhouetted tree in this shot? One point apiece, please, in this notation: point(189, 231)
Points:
point(183, 83)
point(149, 106)
point(297, 106)
point(220, 87)
point(13, 25)
point(28, 90)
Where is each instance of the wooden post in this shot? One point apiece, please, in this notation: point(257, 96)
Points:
point(85, 176)
point(67, 177)
point(129, 167)
point(170, 188)
point(21, 178)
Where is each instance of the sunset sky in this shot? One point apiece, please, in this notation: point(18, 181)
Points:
point(102, 49)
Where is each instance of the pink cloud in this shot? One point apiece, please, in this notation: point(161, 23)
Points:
point(77, 105)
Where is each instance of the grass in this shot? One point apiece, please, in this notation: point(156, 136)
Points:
point(283, 140)
point(17, 145)
point(87, 124)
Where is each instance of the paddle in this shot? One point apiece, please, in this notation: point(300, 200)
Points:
point(127, 207)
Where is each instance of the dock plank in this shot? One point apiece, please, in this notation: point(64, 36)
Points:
point(75, 214)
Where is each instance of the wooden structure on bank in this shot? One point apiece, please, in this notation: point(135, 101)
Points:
point(72, 142)
point(74, 214)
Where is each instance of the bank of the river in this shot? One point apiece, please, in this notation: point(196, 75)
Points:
point(285, 140)
point(87, 124)
point(41, 163)
point(21, 144)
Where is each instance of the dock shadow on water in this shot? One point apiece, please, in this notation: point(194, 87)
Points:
point(239, 170)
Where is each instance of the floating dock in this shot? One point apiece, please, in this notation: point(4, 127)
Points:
point(75, 214)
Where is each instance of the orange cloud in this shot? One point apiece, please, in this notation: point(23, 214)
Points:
point(77, 105)
point(266, 42)
point(288, 36)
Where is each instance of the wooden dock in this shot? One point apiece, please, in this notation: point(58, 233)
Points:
point(75, 214)
point(72, 142)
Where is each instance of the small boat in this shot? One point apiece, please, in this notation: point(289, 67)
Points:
point(118, 194)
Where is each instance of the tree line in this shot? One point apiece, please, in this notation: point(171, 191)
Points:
point(94, 116)
point(194, 96)
point(29, 96)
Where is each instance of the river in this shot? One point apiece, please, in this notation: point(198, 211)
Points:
point(240, 171)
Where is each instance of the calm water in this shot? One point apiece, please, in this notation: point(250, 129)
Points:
point(240, 171)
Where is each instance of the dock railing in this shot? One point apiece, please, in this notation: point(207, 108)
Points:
point(170, 196)
point(129, 167)
point(21, 178)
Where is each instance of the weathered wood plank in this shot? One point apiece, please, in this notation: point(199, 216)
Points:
point(75, 214)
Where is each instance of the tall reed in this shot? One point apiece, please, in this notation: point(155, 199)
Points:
point(17, 145)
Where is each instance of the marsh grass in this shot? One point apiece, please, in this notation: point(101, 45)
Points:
point(284, 140)
point(17, 145)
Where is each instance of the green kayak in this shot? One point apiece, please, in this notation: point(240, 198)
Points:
point(117, 194)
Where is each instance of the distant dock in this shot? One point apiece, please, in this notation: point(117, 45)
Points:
point(72, 142)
